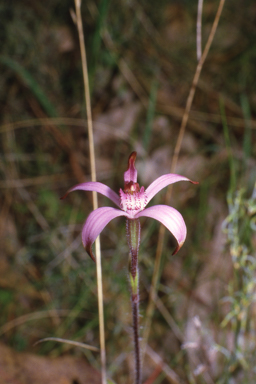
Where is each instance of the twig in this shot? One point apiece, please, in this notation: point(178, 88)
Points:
point(93, 175)
point(153, 289)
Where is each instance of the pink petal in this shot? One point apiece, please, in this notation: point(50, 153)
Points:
point(95, 223)
point(131, 173)
point(162, 182)
point(98, 187)
point(170, 218)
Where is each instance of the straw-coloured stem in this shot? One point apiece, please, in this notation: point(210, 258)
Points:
point(153, 288)
point(93, 176)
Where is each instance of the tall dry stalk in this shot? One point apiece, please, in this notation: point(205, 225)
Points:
point(155, 278)
point(199, 29)
point(93, 176)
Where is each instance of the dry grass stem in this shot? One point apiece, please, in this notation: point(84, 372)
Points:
point(70, 342)
point(199, 30)
point(170, 374)
point(93, 175)
point(192, 92)
point(167, 109)
point(40, 180)
point(153, 288)
point(32, 316)
point(169, 319)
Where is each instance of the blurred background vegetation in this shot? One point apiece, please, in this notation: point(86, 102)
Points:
point(142, 59)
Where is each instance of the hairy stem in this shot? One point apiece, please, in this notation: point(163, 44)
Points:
point(135, 318)
point(133, 237)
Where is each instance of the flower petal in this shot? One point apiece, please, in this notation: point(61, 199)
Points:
point(131, 173)
point(162, 182)
point(95, 223)
point(97, 187)
point(170, 218)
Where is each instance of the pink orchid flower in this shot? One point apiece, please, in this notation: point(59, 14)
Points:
point(132, 202)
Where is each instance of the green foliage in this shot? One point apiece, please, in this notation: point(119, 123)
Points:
point(232, 164)
point(239, 227)
point(6, 297)
point(49, 202)
point(31, 84)
point(19, 342)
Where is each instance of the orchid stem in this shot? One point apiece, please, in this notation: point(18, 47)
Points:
point(133, 237)
point(135, 317)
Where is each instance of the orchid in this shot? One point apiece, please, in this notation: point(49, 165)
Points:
point(132, 202)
